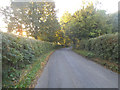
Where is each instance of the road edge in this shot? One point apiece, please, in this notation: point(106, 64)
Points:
point(107, 65)
point(38, 74)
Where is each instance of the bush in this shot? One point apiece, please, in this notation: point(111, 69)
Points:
point(105, 46)
point(17, 52)
point(85, 53)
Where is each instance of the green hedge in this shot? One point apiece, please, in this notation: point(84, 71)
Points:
point(105, 47)
point(17, 53)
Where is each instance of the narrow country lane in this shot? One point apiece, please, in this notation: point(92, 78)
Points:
point(66, 69)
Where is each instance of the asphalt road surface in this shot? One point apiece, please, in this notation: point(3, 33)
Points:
point(66, 69)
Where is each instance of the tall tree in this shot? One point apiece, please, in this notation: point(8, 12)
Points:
point(113, 19)
point(86, 23)
point(64, 21)
point(39, 18)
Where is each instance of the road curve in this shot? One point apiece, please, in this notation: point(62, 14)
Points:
point(66, 69)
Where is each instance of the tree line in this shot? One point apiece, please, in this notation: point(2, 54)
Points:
point(88, 22)
point(40, 21)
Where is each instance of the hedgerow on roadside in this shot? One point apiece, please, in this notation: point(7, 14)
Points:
point(103, 50)
point(17, 53)
point(105, 47)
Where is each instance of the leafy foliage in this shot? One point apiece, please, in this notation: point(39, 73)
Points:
point(92, 56)
point(31, 72)
point(86, 23)
point(39, 19)
point(105, 46)
point(113, 19)
point(85, 53)
point(18, 52)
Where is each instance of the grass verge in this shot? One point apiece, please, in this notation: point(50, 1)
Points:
point(30, 75)
point(91, 56)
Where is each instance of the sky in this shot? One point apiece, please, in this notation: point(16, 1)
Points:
point(71, 6)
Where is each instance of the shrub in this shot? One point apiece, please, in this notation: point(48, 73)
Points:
point(105, 46)
point(17, 52)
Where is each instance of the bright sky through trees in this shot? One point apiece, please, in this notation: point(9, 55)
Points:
point(110, 6)
point(71, 6)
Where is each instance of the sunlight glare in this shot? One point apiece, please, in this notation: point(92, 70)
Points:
point(17, 33)
point(23, 25)
point(4, 30)
point(24, 33)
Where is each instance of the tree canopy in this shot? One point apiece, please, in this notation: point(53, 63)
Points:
point(86, 23)
point(39, 19)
